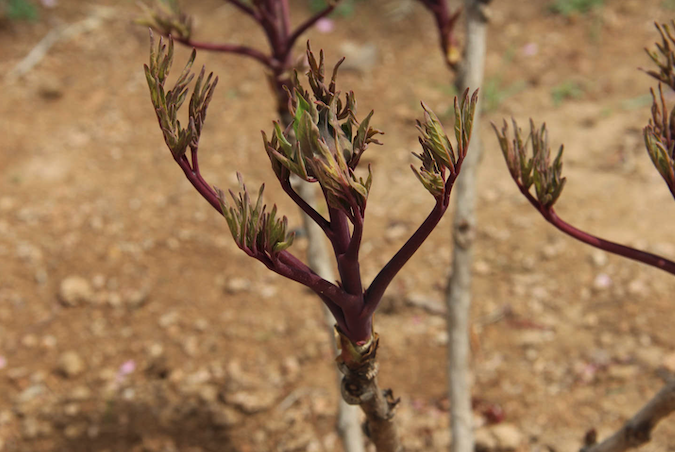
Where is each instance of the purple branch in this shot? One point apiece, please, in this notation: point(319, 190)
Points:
point(228, 48)
point(303, 27)
point(309, 210)
point(348, 265)
point(199, 184)
point(293, 268)
point(285, 18)
point(611, 247)
point(245, 9)
point(383, 279)
point(357, 234)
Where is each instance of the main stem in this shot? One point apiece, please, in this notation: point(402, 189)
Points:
point(318, 258)
point(358, 363)
point(458, 297)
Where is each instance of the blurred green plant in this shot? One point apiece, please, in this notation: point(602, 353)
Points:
point(495, 93)
point(344, 9)
point(19, 10)
point(569, 8)
point(566, 90)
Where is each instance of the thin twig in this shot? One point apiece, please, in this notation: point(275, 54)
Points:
point(245, 9)
point(637, 431)
point(227, 48)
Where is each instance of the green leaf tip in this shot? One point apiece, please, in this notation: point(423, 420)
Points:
point(167, 103)
point(325, 141)
point(438, 155)
point(535, 168)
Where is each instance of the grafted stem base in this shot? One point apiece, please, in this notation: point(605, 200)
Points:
point(359, 386)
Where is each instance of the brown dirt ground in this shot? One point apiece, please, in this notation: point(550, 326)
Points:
point(88, 189)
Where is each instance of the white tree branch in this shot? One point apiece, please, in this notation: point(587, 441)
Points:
point(638, 430)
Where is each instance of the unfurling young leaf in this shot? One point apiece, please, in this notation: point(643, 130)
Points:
point(320, 145)
point(166, 18)
point(438, 154)
point(537, 170)
point(167, 103)
point(256, 231)
point(664, 56)
point(659, 138)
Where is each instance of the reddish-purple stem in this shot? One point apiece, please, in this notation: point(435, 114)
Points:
point(348, 266)
point(245, 9)
point(611, 247)
point(285, 18)
point(199, 184)
point(309, 210)
point(376, 290)
point(228, 48)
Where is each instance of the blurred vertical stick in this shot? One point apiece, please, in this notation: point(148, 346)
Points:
point(458, 297)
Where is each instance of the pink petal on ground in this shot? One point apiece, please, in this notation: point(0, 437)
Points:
point(3, 362)
point(530, 49)
point(325, 25)
point(127, 368)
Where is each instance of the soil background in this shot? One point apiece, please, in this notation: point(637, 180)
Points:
point(174, 340)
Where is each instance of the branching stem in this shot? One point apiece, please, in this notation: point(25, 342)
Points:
point(611, 247)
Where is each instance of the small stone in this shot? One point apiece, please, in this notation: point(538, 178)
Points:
point(484, 440)
point(291, 367)
point(137, 298)
point(508, 436)
point(29, 341)
point(225, 416)
point(441, 338)
point(79, 394)
point(155, 350)
point(669, 362)
point(267, 290)
point(622, 372)
point(481, 268)
point(208, 393)
point(30, 393)
point(550, 251)
point(75, 290)
point(534, 337)
point(251, 402)
point(30, 428)
point(71, 409)
point(74, 431)
point(650, 355)
point(599, 258)
point(98, 281)
point(237, 285)
point(70, 364)
point(395, 232)
point(168, 319)
point(201, 325)
point(50, 87)
point(49, 341)
point(41, 276)
point(114, 300)
point(637, 287)
point(190, 346)
point(360, 57)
